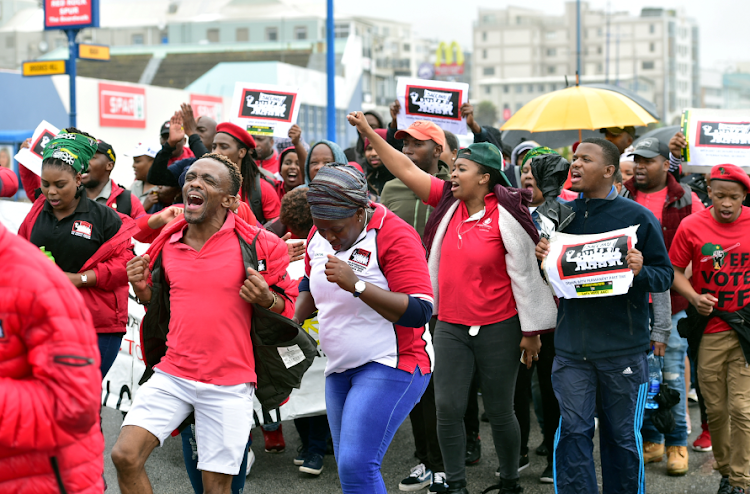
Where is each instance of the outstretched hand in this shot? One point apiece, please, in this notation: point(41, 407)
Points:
point(467, 112)
point(296, 249)
point(176, 132)
point(189, 123)
point(357, 119)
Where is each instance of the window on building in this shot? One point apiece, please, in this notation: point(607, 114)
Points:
point(407, 47)
point(242, 34)
point(506, 89)
point(599, 32)
point(519, 89)
point(519, 106)
point(484, 53)
point(342, 31)
point(553, 87)
point(550, 34)
point(300, 32)
point(598, 50)
point(540, 88)
point(487, 90)
point(551, 52)
point(599, 68)
point(647, 65)
point(136, 39)
point(272, 34)
point(651, 28)
point(484, 35)
point(488, 19)
point(212, 35)
point(551, 69)
point(652, 47)
point(488, 71)
point(530, 88)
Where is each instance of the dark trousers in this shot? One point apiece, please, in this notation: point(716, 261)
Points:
point(522, 405)
point(622, 383)
point(550, 407)
point(471, 417)
point(314, 433)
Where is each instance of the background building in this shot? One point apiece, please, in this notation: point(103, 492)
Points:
point(520, 47)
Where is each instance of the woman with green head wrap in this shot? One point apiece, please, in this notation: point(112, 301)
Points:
point(89, 241)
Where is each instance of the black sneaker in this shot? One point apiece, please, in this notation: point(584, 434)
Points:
point(473, 449)
point(523, 462)
point(505, 487)
point(301, 456)
point(542, 450)
point(724, 486)
point(313, 464)
point(738, 490)
point(548, 476)
point(439, 483)
point(419, 478)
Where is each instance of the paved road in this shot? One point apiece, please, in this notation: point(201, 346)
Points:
point(277, 474)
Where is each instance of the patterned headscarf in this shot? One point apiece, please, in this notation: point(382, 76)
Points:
point(337, 192)
point(538, 151)
point(73, 149)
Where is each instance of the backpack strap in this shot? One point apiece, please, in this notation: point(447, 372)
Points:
point(256, 200)
point(124, 202)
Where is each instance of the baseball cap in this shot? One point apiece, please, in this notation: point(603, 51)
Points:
point(144, 149)
point(164, 128)
point(731, 173)
point(422, 130)
point(616, 131)
point(107, 149)
point(650, 147)
point(485, 154)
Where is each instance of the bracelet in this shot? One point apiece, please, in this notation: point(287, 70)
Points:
point(275, 297)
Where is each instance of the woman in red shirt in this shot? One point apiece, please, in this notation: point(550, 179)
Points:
point(489, 296)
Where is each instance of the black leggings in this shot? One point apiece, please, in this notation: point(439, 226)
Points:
point(495, 352)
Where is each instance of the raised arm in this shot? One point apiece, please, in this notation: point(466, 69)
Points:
point(396, 162)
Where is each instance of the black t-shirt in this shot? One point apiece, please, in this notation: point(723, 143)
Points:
point(74, 239)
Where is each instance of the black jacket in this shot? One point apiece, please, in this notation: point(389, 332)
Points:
point(693, 326)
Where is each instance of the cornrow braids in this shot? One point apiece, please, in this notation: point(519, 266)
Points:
point(234, 170)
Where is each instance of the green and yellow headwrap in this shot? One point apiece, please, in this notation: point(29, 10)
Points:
point(74, 149)
point(537, 152)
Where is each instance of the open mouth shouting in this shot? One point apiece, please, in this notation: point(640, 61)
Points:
point(195, 201)
point(575, 176)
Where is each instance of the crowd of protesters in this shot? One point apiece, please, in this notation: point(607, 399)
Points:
point(422, 267)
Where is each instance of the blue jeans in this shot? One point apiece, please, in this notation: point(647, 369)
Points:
point(109, 347)
point(366, 406)
point(673, 373)
point(190, 455)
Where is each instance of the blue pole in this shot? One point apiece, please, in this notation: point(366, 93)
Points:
point(578, 39)
point(331, 72)
point(72, 56)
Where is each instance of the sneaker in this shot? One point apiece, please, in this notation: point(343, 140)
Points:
point(250, 461)
point(473, 449)
point(724, 486)
point(313, 464)
point(523, 463)
point(542, 450)
point(652, 452)
point(301, 455)
point(274, 440)
point(548, 476)
point(703, 443)
point(692, 395)
point(438, 482)
point(505, 487)
point(419, 478)
point(677, 460)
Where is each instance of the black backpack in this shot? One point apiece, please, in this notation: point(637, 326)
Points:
point(124, 202)
point(255, 200)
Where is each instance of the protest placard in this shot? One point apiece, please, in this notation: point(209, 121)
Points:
point(265, 109)
point(32, 158)
point(588, 266)
point(437, 101)
point(716, 137)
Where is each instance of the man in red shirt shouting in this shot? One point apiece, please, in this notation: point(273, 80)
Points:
point(194, 276)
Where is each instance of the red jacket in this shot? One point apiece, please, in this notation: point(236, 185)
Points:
point(50, 384)
point(108, 300)
point(8, 182)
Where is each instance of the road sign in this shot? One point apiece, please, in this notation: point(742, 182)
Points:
point(70, 14)
point(43, 67)
point(93, 52)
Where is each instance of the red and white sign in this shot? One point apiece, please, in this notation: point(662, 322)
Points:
point(506, 113)
point(209, 106)
point(59, 14)
point(122, 106)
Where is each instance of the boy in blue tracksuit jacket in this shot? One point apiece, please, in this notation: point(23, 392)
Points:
point(603, 342)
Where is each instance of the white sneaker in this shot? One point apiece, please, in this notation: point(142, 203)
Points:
point(596, 423)
point(419, 478)
point(250, 461)
point(438, 482)
point(692, 395)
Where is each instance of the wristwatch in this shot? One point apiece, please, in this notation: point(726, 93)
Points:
point(359, 287)
point(84, 279)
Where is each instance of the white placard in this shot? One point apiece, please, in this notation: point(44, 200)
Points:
point(32, 158)
point(589, 266)
point(265, 109)
point(716, 137)
point(437, 101)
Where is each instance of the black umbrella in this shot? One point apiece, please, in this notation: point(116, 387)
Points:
point(664, 134)
point(642, 102)
point(662, 418)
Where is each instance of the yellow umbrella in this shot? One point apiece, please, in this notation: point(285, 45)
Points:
point(576, 108)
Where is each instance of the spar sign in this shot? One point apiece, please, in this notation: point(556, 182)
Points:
point(71, 14)
point(589, 266)
point(208, 106)
point(122, 106)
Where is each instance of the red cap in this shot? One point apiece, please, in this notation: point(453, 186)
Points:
point(731, 173)
point(381, 132)
point(357, 165)
point(238, 133)
point(422, 130)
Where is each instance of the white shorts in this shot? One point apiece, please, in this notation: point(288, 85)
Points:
point(223, 417)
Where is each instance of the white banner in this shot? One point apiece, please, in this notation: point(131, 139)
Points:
point(264, 109)
point(716, 137)
point(32, 158)
point(588, 266)
point(436, 101)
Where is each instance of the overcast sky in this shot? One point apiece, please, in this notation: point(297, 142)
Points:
point(724, 24)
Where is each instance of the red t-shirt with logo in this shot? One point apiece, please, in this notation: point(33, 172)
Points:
point(473, 282)
point(720, 253)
